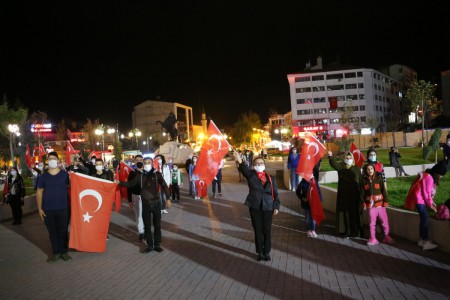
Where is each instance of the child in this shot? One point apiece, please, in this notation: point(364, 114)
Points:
point(176, 182)
point(302, 192)
point(374, 197)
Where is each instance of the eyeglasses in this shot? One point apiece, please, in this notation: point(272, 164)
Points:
point(259, 164)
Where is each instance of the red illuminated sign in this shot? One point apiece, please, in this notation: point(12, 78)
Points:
point(41, 127)
point(313, 128)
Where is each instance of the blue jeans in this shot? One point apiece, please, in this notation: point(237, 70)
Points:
point(423, 227)
point(309, 221)
point(295, 179)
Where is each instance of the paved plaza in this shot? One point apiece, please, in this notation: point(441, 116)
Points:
point(209, 253)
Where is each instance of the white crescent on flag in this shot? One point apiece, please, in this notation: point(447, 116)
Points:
point(93, 193)
point(218, 138)
point(314, 144)
point(356, 151)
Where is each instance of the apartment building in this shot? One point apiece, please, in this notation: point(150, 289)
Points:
point(319, 94)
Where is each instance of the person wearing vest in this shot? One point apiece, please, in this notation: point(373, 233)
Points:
point(375, 200)
point(263, 203)
point(150, 182)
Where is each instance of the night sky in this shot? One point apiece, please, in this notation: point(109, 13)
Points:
point(97, 61)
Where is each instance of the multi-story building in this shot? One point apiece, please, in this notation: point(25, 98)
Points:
point(319, 95)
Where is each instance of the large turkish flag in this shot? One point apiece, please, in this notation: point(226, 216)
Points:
point(315, 203)
point(91, 204)
point(312, 152)
point(357, 155)
point(122, 175)
point(213, 151)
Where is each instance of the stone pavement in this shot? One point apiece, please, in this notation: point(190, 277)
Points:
point(209, 254)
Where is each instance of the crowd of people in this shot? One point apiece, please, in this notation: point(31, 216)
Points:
point(154, 183)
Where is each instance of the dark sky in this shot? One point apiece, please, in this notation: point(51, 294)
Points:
point(97, 61)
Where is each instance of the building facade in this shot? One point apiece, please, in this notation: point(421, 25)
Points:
point(319, 95)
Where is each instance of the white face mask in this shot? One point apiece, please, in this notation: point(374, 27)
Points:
point(99, 168)
point(294, 151)
point(34, 173)
point(13, 173)
point(348, 162)
point(448, 143)
point(260, 168)
point(52, 164)
point(373, 158)
point(159, 162)
point(40, 167)
point(148, 168)
point(93, 161)
point(175, 168)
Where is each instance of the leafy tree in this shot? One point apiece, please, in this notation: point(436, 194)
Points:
point(243, 128)
point(9, 115)
point(420, 94)
point(89, 133)
point(347, 114)
point(61, 133)
point(433, 144)
point(373, 123)
point(117, 148)
point(344, 143)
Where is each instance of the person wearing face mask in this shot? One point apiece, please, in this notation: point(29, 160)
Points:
point(262, 201)
point(77, 167)
point(100, 171)
point(177, 181)
point(446, 151)
point(192, 178)
point(394, 159)
point(348, 204)
point(292, 163)
point(13, 192)
point(152, 184)
point(134, 195)
point(378, 166)
point(91, 165)
point(53, 207)
point(163, 167)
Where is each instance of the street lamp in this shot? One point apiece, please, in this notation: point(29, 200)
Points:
point(13, 130)
point(137, 133)
point(101, 131)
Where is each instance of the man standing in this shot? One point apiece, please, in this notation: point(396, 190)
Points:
point(150, 182)
point(394, 157)
point(52, 203)
point(134, 195)
point(188, 163)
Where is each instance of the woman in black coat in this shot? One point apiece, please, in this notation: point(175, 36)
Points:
point(13, 193)
point(263, 203)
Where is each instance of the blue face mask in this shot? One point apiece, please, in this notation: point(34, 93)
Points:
point(373, 158)
point(13, 173)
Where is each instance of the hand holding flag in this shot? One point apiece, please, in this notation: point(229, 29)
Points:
point(312, 152)
point(357, 155)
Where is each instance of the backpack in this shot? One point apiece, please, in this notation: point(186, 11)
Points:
point(442, 213)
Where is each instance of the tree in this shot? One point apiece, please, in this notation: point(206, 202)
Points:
point(420, 94)
point(373, 123)
point(9, 116)
point(89, 133)
point(433, 144)
point(243, 128)
point(347, 115)
point(61, 133)
point(117, 148)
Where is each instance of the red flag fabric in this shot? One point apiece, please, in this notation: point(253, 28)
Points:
point(312, 152)
point(91, 204)
point(41, 152)
point(28, 161)
point(315, 203)
point(124, 171)
point(213, 151)
point(69, 150)
point(357, 155)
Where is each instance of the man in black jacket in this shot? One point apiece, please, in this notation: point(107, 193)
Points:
point(134, 195)
point(150, 181)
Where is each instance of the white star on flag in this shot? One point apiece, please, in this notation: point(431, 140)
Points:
point(87, 217)
point(210, 151)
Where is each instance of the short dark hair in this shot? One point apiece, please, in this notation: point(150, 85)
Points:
point(137, 156)
point(98, 159)
point(53, 153)
point(148, 157)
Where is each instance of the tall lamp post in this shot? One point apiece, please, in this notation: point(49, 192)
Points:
point(137, 133)
point(101, 131)
point(13, 130)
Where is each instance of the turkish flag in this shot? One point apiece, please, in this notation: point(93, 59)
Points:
point(333, 102)
point(315, 203)
point(91, 204)
point(312, 152)
point(213, 151)
point(357, 155)
point(41, 152)
point(28, 158)
point(122, 175)
point(69, 150)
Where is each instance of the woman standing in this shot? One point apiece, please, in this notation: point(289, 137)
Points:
point(13, 193)
point(292, 164)
point(348, 216)
point(263, 203)
point(421, 195)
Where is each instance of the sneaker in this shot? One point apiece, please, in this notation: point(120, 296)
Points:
point(429, 245)
point(309, 233)
point(66, 257)
point(372, 242)
point(107, 237)
point(158, 248)
point(214, 195)
point(220, 195)
point(314, 234)
point(388, 240)
point(148, 249)
point(197, 197)
point(421, 243)
point(165, 211)
point(54, 258)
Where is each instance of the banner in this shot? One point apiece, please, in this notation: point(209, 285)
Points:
point(91, 205)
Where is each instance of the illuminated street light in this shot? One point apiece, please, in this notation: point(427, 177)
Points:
point(137, 133)
point(14, 131)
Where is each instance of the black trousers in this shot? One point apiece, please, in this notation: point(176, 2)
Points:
point(16, 207)
point(152, 213)
point(262, 226)
point(57, 222)
point(175, 191)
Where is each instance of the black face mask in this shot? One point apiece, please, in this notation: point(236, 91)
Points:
point(140, 164)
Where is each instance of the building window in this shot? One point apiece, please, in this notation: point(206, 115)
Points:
point(360, 85)
point(363, 119)
point(319, 100)
point(350, 86)
point(320, 111)
point(355, 108)
point(303, 90)
point(318, 88)
point(302, 79)
point(352, 97)
point(317, 77)
point(361, 96)
point(376, 97)
point(303, 112)
point(335, 87)
point(350, 75)
point(334, 76)
point(362, 107)
point(359, 74)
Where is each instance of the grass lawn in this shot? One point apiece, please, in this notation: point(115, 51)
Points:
point(398, 189)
